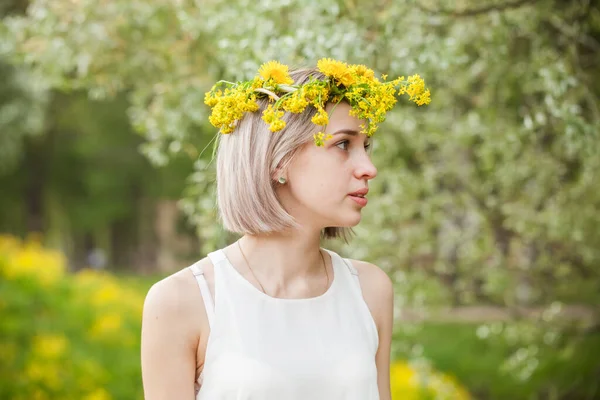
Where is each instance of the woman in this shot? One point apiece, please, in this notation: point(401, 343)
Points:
point(274, 315)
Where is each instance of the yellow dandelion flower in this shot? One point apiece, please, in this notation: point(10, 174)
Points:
point(276, 71)
point(363, 72)
point(338, 70)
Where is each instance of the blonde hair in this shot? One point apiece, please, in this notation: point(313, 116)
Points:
point(247, 160)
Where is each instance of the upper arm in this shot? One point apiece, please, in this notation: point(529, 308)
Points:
point(378, 293)
point(169, 342)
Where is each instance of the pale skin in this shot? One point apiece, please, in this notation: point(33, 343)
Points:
point(175, 326)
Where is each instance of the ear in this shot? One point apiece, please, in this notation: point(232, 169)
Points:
point(280, 170)
point(279, 173)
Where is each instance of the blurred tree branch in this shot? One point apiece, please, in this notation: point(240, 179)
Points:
point(571, 33)
point(471, 12)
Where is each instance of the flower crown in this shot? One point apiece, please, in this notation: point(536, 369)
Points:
point(369, 97)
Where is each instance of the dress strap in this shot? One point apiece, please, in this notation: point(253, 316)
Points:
point(352, 270)
point(217, 257)
point(206, 296)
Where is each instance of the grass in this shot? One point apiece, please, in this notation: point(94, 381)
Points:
point(569, 372)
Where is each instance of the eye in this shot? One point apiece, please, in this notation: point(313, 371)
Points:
point(345, 143)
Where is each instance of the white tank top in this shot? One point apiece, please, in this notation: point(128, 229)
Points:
point(266, 348)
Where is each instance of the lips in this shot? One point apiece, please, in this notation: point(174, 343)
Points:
point(359, 196)
point(360, 193)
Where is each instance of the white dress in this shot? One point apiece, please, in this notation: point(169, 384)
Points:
point(266, 348)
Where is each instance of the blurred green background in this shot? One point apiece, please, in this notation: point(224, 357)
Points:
point(485, 211)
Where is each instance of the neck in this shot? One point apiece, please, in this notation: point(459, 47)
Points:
point(283, 262)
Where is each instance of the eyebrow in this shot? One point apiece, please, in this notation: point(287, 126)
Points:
point(350, 132)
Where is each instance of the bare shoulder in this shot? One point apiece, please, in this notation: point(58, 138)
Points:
point(174, 324)
point(377, 288)
point(171, 294)
point(372, 277)
point(177, 300)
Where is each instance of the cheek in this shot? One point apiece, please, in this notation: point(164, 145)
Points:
point(318, 186)
point(318, 178)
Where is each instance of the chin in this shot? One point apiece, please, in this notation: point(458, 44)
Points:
point(349, 221)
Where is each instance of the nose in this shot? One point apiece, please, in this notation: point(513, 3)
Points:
point(365, 168)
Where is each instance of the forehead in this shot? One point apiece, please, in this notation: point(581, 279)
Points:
point(340, 118)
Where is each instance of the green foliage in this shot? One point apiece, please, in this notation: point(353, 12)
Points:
point(64, 336)
point(463, 350)
point(88, 173)
point(22, 100)
point(22, 113)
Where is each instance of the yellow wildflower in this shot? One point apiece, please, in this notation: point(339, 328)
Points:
point(316, 93)
point(270, 114)
point(321, 137)
point(295, 103)
point(370, 99)
point(408, 382)
point(336, 69)
point(106, 324)
point(397, 81)
point(50, 346)
point(212, 98)
point(107, 294)
point(277, 72)
point(336, 99)
point(423, 98)
point(273, 117)
point(415, 87)
point(256, 83)
point(39, 373)
point(362, 71)
point(231, 106)
point(98, 394)
point(277, 125)
point(9, 243)
point(321, 117)
point(30, 259)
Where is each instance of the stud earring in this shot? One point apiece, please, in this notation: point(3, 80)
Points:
point(281, 180)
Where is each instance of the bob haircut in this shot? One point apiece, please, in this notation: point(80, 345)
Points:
point(247, 160)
